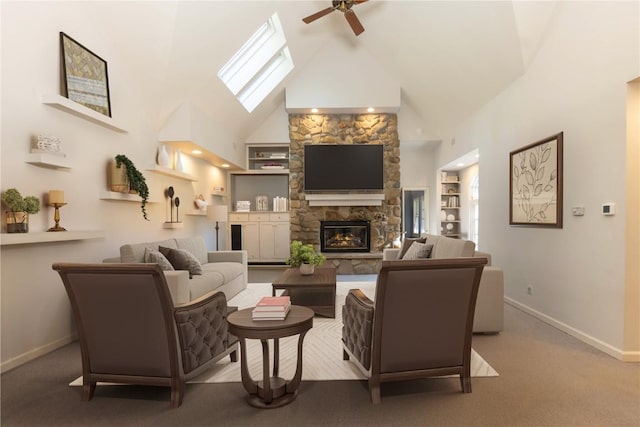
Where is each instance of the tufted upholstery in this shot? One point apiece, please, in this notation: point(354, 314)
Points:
point(420, 324)
point(357, 321)
point(131, 333)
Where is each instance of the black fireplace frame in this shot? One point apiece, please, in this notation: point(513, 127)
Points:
point(360, 223)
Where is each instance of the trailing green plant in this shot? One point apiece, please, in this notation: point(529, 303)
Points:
point(136, 180)
point(304, 254)
point(16, 203)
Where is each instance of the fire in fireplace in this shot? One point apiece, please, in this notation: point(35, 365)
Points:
point(345, 236)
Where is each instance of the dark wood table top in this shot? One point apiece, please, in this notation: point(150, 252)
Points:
point(321, 276)
point(298, 320)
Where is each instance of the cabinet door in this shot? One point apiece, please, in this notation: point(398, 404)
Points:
point(274, 241)
point(251, 240)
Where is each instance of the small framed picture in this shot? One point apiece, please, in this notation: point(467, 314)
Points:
point(85, 76)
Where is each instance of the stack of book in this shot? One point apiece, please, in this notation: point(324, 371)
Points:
point(272, 308)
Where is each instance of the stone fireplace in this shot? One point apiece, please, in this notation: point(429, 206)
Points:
point(345, 236)
point(383, 218)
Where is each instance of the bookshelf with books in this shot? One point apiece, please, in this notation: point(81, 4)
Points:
point(272, 308)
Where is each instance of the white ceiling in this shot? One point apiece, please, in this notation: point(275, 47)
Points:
point(450, 57)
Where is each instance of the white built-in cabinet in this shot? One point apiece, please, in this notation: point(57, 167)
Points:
point(265, 235)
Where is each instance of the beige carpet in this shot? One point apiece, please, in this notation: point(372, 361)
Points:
point(322, 350)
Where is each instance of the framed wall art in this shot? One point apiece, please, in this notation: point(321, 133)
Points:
point(85, 76)
point(535, 188)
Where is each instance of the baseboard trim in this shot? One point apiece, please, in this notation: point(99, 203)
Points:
point(19, 360)
point(625, 356)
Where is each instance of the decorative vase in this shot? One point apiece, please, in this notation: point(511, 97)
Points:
point(117, 178)
point(179, 167)
point(17, 222)
point(163, 156)
point(307, 269)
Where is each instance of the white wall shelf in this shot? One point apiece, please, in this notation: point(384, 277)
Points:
point(173, 224)
point(48, 237)
point(173, 173)
point(126, 197)
point(50, 161)
point(79, 110)
point(196, 213)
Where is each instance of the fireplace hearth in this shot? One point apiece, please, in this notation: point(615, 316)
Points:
point(345, 236)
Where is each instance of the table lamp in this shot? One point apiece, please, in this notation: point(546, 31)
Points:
point(217, 214)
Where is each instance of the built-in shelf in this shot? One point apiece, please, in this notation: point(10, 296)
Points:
point(173, 173)
point(127, 197)
point(50, 161)
point(196, 213)
point(172, 224)
point(79, 110)
point(48, 237)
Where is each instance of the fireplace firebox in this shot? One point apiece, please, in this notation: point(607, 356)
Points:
point(345, 236)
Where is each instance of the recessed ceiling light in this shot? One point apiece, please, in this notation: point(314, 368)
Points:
point(225, 165)
point(196, 152)
point(370, 110)
point(460, 165)
point(314, 110)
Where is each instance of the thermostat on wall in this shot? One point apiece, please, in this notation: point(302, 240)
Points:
point(609, 209)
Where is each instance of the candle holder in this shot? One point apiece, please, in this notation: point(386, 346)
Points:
point(56, 217)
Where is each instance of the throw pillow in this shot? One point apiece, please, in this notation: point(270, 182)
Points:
point(156, 257)
point(418, 250)
point(182, 259)
point(406, 244)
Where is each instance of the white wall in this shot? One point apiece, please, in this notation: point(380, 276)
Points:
point(577, 85)
point(35, 310)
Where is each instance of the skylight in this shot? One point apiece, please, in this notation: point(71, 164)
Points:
point(259, 66)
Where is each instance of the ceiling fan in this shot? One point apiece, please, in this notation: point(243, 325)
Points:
point(344, 7)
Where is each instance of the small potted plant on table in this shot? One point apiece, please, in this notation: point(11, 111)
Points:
point(304, 257)
point(19, 210)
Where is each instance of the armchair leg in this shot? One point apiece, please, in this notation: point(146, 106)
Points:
point(465, 382)
point(374, 389)
point(88, 389)
point(177, 392)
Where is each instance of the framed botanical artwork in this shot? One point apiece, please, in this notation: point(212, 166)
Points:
point(85, 76)
point(535, 188)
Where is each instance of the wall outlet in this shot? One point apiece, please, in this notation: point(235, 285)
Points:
point(529, 290)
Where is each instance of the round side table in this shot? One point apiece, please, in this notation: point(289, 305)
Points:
point(272, 391)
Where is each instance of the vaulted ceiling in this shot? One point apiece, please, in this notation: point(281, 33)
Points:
point(449, 57)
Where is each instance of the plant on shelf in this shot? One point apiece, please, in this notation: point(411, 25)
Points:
point(136, 180)
point(19, 210)
point(302, 254)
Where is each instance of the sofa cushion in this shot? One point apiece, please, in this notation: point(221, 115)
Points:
point(156, 257)
point(182, 259)
point(194, 245)
point(205, 283)
point(406, 244)
point(418, 250)
point(228, 270)
point(446, 247)
point(135, 252)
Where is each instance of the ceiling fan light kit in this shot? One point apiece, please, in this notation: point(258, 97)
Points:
point(345, 8)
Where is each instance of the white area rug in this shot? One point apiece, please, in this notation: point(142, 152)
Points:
point(322, 349)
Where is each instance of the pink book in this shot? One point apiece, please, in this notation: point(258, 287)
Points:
point(273, 303)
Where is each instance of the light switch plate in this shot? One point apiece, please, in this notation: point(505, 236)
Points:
point(577, 210)
point(609, 209)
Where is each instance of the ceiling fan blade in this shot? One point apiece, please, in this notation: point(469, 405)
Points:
point(317, 15)
point(354, 22)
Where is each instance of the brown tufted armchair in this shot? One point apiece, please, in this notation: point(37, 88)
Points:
point(420, 324)
point(130, 332)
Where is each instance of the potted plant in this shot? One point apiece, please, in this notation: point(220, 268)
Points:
point(304, 257)
point(19, 210)
point(136, 181)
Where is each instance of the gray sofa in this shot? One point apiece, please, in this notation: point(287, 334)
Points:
point(489, 315)
point(225, 271)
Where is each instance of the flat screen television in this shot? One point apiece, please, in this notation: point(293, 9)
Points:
point(329, 167)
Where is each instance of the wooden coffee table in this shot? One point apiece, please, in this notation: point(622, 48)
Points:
point(272, 391)
point(316, 291)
